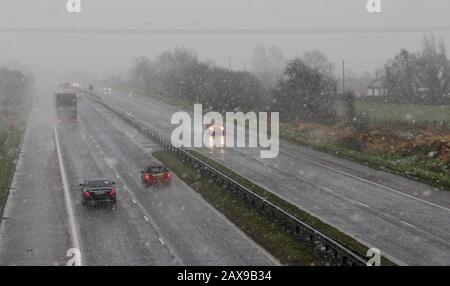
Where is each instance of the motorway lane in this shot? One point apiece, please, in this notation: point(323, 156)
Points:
point(107, 237)
point(405, 226)
point(158, 226)
point(36, 232)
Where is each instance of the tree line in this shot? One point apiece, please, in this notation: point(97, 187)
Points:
point(179, 75)
point(419, 77)
point(304, 90)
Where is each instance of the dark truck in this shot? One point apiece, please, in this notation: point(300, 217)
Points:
point(66, 108)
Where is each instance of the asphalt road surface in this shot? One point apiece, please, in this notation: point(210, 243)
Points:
point(406, 220)
point(35, 229)
point(165, 225)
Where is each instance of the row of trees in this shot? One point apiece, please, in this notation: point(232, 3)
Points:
point(181, 76)
point(302, 88)
point(419, 77)
point(268, 65)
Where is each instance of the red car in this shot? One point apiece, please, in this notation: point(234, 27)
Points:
point(155, 174)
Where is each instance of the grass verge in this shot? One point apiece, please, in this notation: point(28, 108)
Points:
point(8, 156)
point(379, 111)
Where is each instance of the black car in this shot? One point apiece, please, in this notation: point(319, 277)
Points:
point(96, 192)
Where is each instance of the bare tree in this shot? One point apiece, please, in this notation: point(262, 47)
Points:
point(267, 65)
point(434, 69)
point(141, 74)
point(317, 60)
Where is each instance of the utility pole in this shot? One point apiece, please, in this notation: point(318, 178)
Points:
point(343, 77)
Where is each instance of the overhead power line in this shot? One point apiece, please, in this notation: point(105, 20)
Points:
point(287, 31)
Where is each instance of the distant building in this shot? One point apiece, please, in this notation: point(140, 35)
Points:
point(376, 88)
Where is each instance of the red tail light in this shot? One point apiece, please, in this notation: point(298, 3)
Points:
point(167, 175)
point(86, 194)
point(113, 192)
point(74, 120)
point(148, 177)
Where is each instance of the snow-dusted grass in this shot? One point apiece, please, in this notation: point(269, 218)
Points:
point(8, 154)
point(413, 166)
point(384, 112)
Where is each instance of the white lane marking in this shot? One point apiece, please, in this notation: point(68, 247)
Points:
point(161, 240)
point(408, 224)
point(72, 221)
point(365, 180)
point(145, 218)
point(364, 205)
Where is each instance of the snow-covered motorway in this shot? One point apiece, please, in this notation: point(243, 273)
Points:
point(405, 219)
point(158, 226)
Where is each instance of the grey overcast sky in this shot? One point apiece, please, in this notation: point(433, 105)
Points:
point(110, 54)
